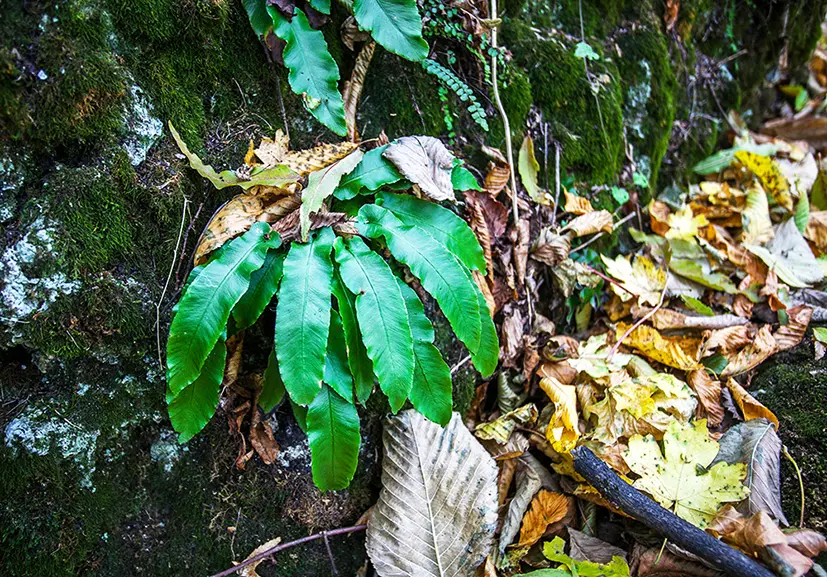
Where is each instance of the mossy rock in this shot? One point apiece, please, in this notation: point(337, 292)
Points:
point(794, 386)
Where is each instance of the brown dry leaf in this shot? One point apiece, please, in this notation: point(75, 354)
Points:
point(531, 356)
point(655, 562)
point(250, 570)
point(271, 151)
point(352, 91)
point(511, 336)
point(562, 430)
point(709, 395)
point(546, 508)
point(577, 204)
point(750, 407)
point(496, 179)
point(490, 209)
point(515, 447)
point(561, 370)
point(599, 221)
point(351, 33)
point(487, 568)
point(678, 352)
point(742, 306)
point(816, 231)
point(807, 542)
point(521, 249)
point(482, 284)
point(756, 352)
point(304, 162)
point(789, 335)
point(561, 347)
point(233, 218)
point(508, 468)
point(659, 216)
point(728, 340)
point(425, 161)
point(551, 248)
point(262, 440)
point(670, 14)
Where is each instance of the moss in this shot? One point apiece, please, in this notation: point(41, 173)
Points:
point(589, 127)
point(650, 94)
point(794, 387)
point(14, 114)
point(407, 105)
point(515, 93)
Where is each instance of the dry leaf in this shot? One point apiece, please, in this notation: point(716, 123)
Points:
point(352, 90)
point(728, 340)
point(233, 218)
point(750, 407)
point(262, 440)
point(599, 221)
point(551, 248)
point(641, 279)
point(789, 335)
point(521, 249)
point(577, 204)
point(659, 217)
point(562, 430)
point(755, 219)
point(709, 395)
point(587, 548)
point(816, 231)
point(678, 352)
point(670, 14)
point(425, 161)
point(684, 225)
point(753, 354)
point(250, 570)
point(528, 167)
point(500, 430)
point(531, 477)
point(546, 508)
point(765, 169)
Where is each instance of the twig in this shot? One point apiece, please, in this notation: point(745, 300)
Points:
point(283, 546)
point(639, 322)
point(506, 125)
point(556, 183)
point(166, 284)
point(786, 453)
point(330, 558)
point(683, 534)
point(460, 364)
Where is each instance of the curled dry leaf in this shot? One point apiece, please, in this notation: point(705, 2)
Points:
point(729, 340)
point(816, 231)
point(438, 498)
point(678, 352)
point(599, 221)
point(425, 161)
point(546, 509)
point(750, 407)
point(789, 335)
point(562, 430)
point(511, 336)
point(500, 429)
point(531, 477)
point(577, 204)
point(551, 248)
point(709, 395)
point(352, 91)
point(521, 249)
point(587, 548)
point(756, 352)
point(250, 570)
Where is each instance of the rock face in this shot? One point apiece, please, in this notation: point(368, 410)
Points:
point(92, 193)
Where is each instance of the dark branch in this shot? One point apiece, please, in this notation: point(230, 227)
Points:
point(680, 532)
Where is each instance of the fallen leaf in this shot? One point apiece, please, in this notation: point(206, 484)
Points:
point(816, 231)
point(320, 185)
point(528, 167)
point(756, 444)
point(496, 179)
point(577, 204)
point(546, 508)
point(584, 547)
point(671, 477)
point(789, 335)
point(456, 497)
point(709, 395)
point(304, 162)
point(641, 278)
point(728, 340)
point(262, 440)
point(789, 256)
point(755, 219)
point(425, 161)
point(683, 225)
point(555, 552)
point(670, 14)
point(531, 477)
point(250, 570)
point(678, 352)
point(551, 248)
point(598, 221)
point(352, 89)
point(592, 358)
point(562, 430)
point(500, 429)
point(750, 407)
point(521, 249)
point(655, 562)
point(753, 354)
point(773, 180)
point(807, 542)
point(233, 218)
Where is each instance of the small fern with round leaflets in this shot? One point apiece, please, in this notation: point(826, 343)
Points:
point(345, 319)
point(452, 82)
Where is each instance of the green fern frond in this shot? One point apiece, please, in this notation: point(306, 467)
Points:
point(453, 83)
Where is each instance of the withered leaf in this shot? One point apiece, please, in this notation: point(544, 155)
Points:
point(425, 161)
point(546, 508)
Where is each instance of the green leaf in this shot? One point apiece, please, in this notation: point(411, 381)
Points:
point(322, 6)
point(336, 370)
point(621, 195)
point(395, 24)
point(300, 414)
point(259, 18)
point(431, 393)
point(583, 50)
point(191, 409)
point(278, 176)
point(272, 387)
point(440, 273)
point(693, 271)
point(263, 285)
point(802, 212)
point(438, 222)
point(464, 179)
point(697, 306)
point(555, 551)
point(820, 334)
point(383, 318)
point(205, 307)
point(487, 355)
point(640, 179)
point(818, 194)
point(320, 185)
point(723, 158)
point(313, 71)
point(333, 435)
point(716, 363)
point(372, 173)
point(528, 167)
point(303, 316)
point(361, 367)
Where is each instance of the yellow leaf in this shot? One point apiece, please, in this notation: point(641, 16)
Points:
point(600, 221)
point(304, 162)
point(233, 218)
point(271, 151)
point(562, 430)
point(755, 218)
point(528, 167)
point(641, 278)
point(500, 430)
point(684, 225)
point(678, 352)
point(577, 204)
point(672, 478)
point(765, 169)
point(749, 405)
point(546, 509)
point(592, 358)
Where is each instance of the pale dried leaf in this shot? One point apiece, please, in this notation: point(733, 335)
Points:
point(443, 510)
point(789, 335)
point(756, 352)
point(425, 161)
point(531, 477)
point(551, 248)
point(500, 429)
point(577, 204)
point(599, 221)
point(250, 570)
point(709, 395)
point(587, 548)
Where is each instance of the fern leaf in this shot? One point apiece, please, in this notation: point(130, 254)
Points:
point(191, 409)
point(358, 361)
point(431, 393)
point(374, 172)
point(334, 438)
point(272, 387)
point(303, 316)
point(382, 317)
point(453, 83)
point(263, 285)
point(395, 24)
point(322, 6)
point(440, 273)
point(336, 370)
point(260, 20)
point(487, 355)
point(313, 72)
point(440, 223)
point(204, 309)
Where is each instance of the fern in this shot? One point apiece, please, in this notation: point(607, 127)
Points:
point(344, 320)
point(452, 82)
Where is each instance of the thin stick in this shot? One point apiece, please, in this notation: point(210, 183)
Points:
point(166, 284)
point(460, 364)
point(786, 453)
point(506, 125)
point(283, 546)
point(556, 182)
point(330, 558)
